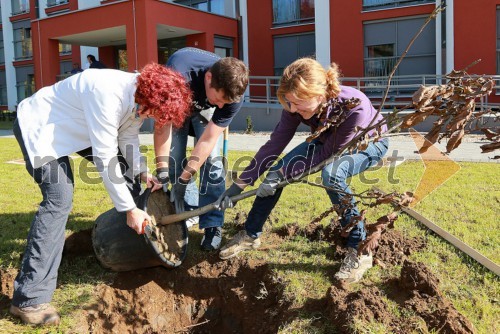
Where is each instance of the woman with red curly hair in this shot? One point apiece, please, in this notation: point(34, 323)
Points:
point(96, 113)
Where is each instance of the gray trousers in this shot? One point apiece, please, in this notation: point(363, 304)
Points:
point(37, 277)
point(36, 281)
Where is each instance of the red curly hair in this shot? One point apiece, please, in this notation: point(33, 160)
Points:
point(165, 93)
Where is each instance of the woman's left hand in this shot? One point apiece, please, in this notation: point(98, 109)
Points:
point(151, 181)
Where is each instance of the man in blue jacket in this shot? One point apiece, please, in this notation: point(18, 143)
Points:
point(217, 85)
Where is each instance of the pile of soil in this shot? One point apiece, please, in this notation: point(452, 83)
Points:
point(416, 291)
point(394, 248)
point(236, 296)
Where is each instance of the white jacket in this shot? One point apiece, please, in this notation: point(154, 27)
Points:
point(95, 108)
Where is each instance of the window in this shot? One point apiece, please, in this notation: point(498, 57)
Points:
point(3, 95)
point(25, 88)
point(288, 48)
point(223, 46)
point(212, 6)
point(20, 6)
point(3, 88)
point(384, 42)
point(380, 4)
point(64, 49)
point(293, 11)
point(22, 43)
point(51, 3)
point(2, 50)
point(380, 61)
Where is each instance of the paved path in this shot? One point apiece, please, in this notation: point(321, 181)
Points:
point(401, 145)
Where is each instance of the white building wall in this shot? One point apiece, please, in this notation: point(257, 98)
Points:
point(322, 32)
point(86, 50)
point(8, 43)
point(244, 35)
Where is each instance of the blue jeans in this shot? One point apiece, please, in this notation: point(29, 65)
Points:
point(333, 175)
point(212, 175)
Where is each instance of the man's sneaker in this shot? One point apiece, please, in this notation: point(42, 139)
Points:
point(240, 242)
point(42, 314)
point(353, 267)
point(192, 221)
point(212, 238)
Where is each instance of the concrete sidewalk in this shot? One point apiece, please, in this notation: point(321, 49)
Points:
point(400, 145)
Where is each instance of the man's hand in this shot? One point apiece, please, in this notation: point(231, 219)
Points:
point(136, 218)
point(177, 194)
point(225, 201)
point(270, 184)
point(151, 181)
point(162, 176)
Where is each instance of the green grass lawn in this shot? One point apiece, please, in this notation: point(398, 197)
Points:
point(467, 205)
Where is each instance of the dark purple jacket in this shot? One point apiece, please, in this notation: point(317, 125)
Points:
point(332, 139)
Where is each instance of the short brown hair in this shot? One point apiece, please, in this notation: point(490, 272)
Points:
point(230, 75)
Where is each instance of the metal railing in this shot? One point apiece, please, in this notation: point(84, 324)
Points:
point(379, 66)
point(52, 3)
point(381, 4)
point(262, 89)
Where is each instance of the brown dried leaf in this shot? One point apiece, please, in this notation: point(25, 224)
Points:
point(488, 86)
point(455, 140)
point(490, 147)
point(424, 95)
point(432, 136)
point(406, 199)
point(490, 135)
point(369, 245)
point(414, 119)
point(383, 199)
point(388, 219)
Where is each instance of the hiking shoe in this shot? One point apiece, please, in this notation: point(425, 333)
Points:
point(212, 238)
point(42, 314)
point(192, 221)
point(241, 241)
point(353, 267)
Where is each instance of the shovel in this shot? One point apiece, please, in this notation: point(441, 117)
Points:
point(177, 217)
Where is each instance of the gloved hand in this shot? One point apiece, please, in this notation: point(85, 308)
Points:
point(225, 201)
point(162, 176)
point(270, 184)
point(177, 194)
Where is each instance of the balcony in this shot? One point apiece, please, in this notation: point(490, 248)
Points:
point(385, 4)
point(52, 3)
point(20, 7)
point(379, 66)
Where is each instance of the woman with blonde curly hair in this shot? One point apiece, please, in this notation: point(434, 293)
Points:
point(310, 95)
point(98, 114)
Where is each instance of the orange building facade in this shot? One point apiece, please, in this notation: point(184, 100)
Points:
point(41, 40)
